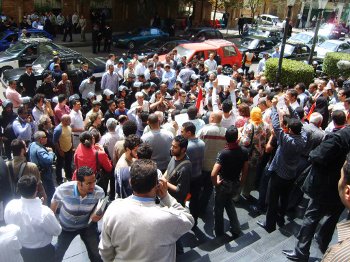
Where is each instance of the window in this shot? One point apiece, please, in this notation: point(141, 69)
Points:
point(154, 31)
point(229, 51)
point(211, 34)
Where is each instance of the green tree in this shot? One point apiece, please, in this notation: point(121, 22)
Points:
point(254, 5)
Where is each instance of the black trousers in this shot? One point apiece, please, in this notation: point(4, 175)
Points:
point(278, 190)
point(65, 163)
point(195, 191)
point(313, 215)
point(42, 254)
point(206, 193)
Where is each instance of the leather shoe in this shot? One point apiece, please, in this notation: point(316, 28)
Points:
point(291, 255)
point(263, 225)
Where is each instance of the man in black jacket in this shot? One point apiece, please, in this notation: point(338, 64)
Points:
point(27, 82)
point(321, 186)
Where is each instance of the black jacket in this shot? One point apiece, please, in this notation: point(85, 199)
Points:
point(327, 160)
point(27, 84)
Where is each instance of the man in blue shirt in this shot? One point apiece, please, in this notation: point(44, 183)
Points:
point(23, 126)
point(77, 200)
point(284, 165)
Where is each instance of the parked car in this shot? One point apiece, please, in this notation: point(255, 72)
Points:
point(254, 32)
point(227, 52)
point(158, 46)
point(306, 38)
point(292, 51)
point(9, 37)
point(332, 31)
point(138, 37)
point(71, 62)
point(271, 20)
point(25, 51)
point(201, 34)
point(256, 44)
point(331, 46)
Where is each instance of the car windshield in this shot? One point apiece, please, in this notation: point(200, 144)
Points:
point(304, 38)
point(184, 51)
point(288, 49)
point(250, 43)
point(329, 45)
point(41, 63)
point(276, 20)
point(16, 48)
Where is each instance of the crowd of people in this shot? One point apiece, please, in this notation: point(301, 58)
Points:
point(165, 133)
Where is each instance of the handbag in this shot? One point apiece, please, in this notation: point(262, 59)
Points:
point(102, 177)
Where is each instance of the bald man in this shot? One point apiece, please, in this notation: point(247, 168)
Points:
point(62, 138)
point(213, 135)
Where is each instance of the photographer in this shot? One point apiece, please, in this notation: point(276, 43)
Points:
point(164, 223)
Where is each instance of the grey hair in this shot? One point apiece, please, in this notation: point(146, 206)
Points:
point(111, 124)
point(316, 118)
point(38, 135)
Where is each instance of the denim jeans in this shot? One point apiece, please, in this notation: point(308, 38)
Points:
point(48, 185)
point(225, 201)
point(88, 235)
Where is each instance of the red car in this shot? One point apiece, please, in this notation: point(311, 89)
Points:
point(227, 51)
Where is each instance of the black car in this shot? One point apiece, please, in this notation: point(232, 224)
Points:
point(292, 51)
point(25, 51)
point(71, 62)
point(159, 46)
point(256, 45)
point(201, 34)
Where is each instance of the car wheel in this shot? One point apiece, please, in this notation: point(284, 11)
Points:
point(227, 70)
point(131, 45)
point(5, 68)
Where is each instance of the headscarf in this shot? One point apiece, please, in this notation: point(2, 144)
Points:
point(322, 108)
point(256, 116)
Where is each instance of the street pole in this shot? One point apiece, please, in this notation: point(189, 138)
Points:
point(286, 26)
point(314, 41)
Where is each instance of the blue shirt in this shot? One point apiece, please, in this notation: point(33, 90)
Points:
point(39, 155)
point(22, 129)
point(289, 148)
point(110, 81)
point(75, 210)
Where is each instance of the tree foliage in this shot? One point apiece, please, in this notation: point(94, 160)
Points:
point(254, 5)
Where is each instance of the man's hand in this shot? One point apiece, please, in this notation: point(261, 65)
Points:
point(286, 100)
point(232, 85)
point(274, 101)
point(96, 218)
point(162, 188)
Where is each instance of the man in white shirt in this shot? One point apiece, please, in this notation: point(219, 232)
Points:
point(140, 102)
point(164, 223)
point(169, 76)
point(77, 122)
point(261, 65)
point(110, 61)
point(210, 63)
point(110, 80)
point(37, 222)
point(141, 67)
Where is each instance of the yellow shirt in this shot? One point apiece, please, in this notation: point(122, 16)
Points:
point(65, 139)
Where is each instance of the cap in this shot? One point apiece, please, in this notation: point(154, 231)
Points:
point(55, 99)
point(107, 92)
point(122, 87)
point(137, 84)
point(194, 77)
point(152, 84)
point(7, 103)
point(74, 97)
point(96, 103)
point(167, 65)
point(91, 95)
point(240, 71)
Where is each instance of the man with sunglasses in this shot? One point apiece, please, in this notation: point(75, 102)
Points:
point(76, 201)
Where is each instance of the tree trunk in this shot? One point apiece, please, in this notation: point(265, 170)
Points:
point(215, 9)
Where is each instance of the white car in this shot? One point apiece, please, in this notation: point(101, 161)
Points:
point(331, 46)
point(271, 20)
point(306, 38)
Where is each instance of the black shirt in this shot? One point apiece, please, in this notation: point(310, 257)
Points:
point(231, 161)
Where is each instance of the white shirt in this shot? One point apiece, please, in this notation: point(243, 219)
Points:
point(10, 245)
point(294, 105)
point(211, 65)
point(37, 222)
point(77, 120)
point(109, 139)
point(145, 105)
point(140, 69)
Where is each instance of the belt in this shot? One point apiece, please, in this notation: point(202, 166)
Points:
point(76, 135)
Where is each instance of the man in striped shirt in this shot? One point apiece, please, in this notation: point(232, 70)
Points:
point(77, 200)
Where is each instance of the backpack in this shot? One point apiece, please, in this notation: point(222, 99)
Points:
point(9, 133)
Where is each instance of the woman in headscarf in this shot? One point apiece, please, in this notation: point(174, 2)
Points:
point(255, 136)
point(322, 108)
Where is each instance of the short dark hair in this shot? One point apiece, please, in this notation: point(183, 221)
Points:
point(84, 171)
point(227, 106)
point(153, 119)
point(27, 186)
point(37, 98)
point(300, 111)
point(144, 151)
point(16, 146)
point(339, 117)
point(295, 125)
point(293, 93)
point(231, 134)
point(132, 141)
point(143, 175)
point(189, 127)
point(110, 102)
point(61, 98)
point(21, 110)
point(183, 142)
point(270, 96)
point(192, 112)
point(129, 128)
point(302, 86)
point(119, 100)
